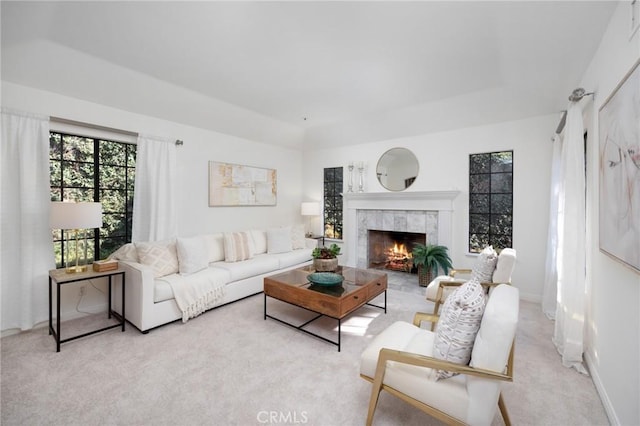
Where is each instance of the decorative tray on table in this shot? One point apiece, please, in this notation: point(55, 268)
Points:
point(325, 278)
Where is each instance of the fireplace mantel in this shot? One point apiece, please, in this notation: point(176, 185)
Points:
point(421, 200)
point(435, 201)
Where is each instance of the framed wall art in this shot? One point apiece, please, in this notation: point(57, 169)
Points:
point(619, 151)
point(238, 185)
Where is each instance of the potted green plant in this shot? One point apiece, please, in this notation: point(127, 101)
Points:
point(326, 258)
point(428, 258)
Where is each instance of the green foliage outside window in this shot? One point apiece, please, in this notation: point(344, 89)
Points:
point(88, 169)
point(333, 187)
point(490, 200)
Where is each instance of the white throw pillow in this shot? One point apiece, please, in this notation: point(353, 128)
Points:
point(237, 246)
point(193, 255)
point(485, 265)
point(297, 237)
point(279, 240)
point(458, 325)
point(259, 241)
point(215, 247)
point(161, 256)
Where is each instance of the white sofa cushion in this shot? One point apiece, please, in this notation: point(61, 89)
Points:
point(279, 240)
point(458, 325)
point(215, 246)
point(293, 257)
point(193, 255)
point(260, 264)
point(237, 246)
point(161, 256)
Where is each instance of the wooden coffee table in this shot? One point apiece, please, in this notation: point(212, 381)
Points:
point(358, 288)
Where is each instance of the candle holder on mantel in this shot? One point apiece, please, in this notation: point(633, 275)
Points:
point(360, 176)
point(350, 187)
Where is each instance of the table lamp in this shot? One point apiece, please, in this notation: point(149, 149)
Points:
point(75, 218)
point(310, 209)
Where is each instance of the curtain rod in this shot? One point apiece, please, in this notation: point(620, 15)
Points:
point(179, 142)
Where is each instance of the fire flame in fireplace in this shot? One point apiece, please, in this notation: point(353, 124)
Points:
point(399, 258)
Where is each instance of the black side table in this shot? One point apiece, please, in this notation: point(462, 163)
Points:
point(60, 276)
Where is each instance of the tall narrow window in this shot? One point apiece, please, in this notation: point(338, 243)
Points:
point(89, 169)
point(490, 200)
point(333, 187)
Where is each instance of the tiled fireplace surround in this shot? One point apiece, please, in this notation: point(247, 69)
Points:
point(423, 212)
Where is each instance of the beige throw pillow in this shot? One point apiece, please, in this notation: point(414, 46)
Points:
point(485, 265)
point(161, 256)
point(458, 325)
point(237, 246)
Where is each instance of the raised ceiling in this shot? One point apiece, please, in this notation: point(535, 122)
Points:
point(318, 69)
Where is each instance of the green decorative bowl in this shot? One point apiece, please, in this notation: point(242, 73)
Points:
point(325, 278)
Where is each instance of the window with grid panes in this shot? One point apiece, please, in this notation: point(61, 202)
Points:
point(333, 187)
point(490, 200)
point(90, 169)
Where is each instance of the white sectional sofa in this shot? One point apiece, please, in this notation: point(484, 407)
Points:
point(232, 265)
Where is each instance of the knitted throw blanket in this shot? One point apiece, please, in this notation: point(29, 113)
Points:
point(195, 293)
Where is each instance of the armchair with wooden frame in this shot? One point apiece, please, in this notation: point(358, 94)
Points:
point(443, 285)
point(400, 361)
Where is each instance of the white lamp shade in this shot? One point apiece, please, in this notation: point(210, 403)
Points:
point(65, 215)
point(310, 209)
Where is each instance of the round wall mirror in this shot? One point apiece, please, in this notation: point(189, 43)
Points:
point(397, 169)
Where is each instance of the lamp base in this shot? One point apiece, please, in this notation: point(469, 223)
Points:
point(76, 269)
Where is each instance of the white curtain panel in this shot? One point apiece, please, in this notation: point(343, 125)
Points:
point(154, 199)
point(26, 244)
point(550, 291)
point(571, 251)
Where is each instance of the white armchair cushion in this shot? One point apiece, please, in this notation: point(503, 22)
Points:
point(161, 256)
point(432, 288)
point(504, 267)
point(193, 254)
point(449, 395)
point(458, 325)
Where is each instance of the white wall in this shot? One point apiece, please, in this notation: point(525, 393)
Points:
point(613, 319)
point(444, 165)
point(200, 146)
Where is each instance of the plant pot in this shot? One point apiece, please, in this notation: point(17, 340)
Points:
point(425, 276)
point(325, 265)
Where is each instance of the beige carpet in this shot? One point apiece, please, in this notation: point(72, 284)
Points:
point(231, 367)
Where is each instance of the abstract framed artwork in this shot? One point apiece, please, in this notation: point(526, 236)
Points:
point(238, 185)
point(619, 151)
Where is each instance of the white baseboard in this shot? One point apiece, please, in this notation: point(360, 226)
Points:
point(602, 392)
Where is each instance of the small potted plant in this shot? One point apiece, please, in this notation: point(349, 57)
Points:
point(428, 258)
point(325, 259)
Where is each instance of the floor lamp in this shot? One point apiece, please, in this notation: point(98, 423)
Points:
point(310, 209)
point(75, 219)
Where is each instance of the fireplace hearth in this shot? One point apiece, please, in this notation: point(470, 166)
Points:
point(392, 250)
